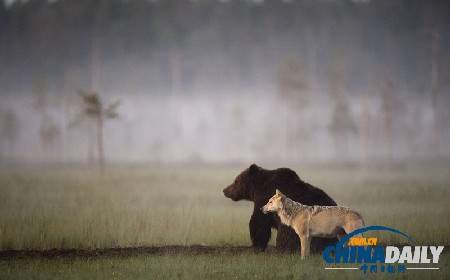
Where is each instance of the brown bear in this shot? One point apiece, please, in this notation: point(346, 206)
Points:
point(258, 185)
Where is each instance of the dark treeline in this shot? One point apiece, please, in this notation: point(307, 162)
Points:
point(219, 43)
point(351, 80)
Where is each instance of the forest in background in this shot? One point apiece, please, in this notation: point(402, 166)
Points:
point(226, 81)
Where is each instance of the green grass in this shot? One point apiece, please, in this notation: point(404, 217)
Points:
point(218, 266)
point(75, 208)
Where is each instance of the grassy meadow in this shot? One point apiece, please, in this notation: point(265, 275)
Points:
point(42, 209)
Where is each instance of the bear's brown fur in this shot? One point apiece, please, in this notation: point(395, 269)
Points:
point(258, 185)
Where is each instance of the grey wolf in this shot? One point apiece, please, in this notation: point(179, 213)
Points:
point(314, 221)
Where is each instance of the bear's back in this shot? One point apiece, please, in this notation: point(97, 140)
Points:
point(290, 184)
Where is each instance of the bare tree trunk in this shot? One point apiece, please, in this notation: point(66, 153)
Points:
point(365, 130)
point(387, 119)
point(95, 82)
point(66, 90)
point(435, 91)
point(10, 149)
point(96, 63)
point(66, 131)
point(386, 128)
point(101, 159)
point(313, 88)
point(234, 68)
point(90, 143)
point(175, 63)
point(96, 46)
point(338, 152)
point(286, 131)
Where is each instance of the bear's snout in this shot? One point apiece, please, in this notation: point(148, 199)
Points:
point(226, 192)
point(230, 192)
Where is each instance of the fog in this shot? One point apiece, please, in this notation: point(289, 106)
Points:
point(223, 82)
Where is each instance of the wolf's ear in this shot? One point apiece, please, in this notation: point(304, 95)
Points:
point(283, 198)
point(253, 169)
point(277, 192)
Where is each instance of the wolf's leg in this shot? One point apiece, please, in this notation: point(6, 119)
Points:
point(309, 244)
point(305, 240)
point(260, 226)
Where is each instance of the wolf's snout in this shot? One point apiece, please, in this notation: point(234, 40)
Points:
point(261, 209)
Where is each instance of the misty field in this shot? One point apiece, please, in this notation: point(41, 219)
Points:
point(42, 209)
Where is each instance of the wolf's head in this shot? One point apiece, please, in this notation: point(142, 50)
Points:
point(275, 203)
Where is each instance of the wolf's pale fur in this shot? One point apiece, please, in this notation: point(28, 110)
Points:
point(314, 221)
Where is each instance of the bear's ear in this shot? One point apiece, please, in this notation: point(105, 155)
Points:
point(253, 169)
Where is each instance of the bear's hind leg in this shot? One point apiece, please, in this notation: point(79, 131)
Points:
point(287, 239)
point(319, 244)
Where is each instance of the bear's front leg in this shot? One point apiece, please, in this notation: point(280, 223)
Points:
point(260, 226)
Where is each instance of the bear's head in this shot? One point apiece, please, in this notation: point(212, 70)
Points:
point(241, 187)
